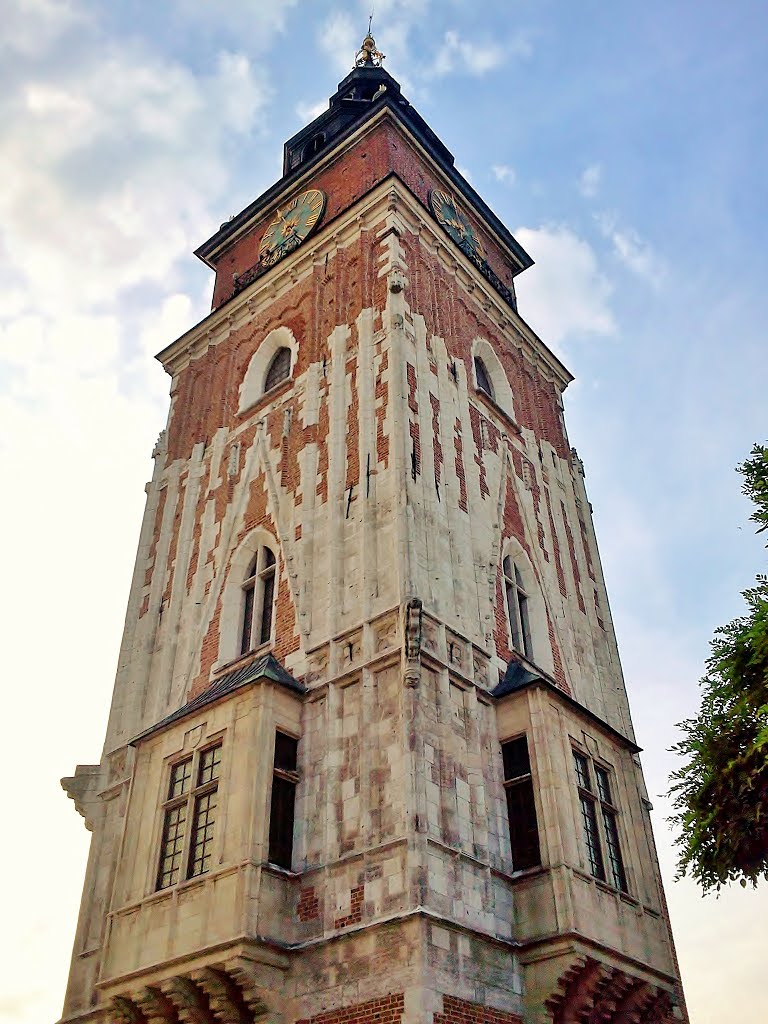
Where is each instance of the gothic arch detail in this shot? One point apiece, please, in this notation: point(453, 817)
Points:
point(253, 386)
point(234, 596)
point(531, 618)
point(501, 392)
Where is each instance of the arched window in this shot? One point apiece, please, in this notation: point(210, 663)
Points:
point(279, 369)
point(314, 145)
point(482, 378)
point(258, 601)
point(517, 599)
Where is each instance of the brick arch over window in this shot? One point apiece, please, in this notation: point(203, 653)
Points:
point(524, 607)
point(253, 579)
point(266, 355)
point(490, 367)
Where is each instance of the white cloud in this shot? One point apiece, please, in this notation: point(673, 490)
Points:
point(564, 294)
point(259, 23)
point(307, 112)
point(340, 39)
point(590, 180)
point(30, 27)
point(630, 249)
point(109, 172)
point(458, 54)
point(504, 173)
point(464, 172)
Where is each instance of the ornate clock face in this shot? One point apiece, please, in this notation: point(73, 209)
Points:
point(293, 223)
point(456, 224)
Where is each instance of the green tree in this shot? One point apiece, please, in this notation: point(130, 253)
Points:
point(720, 795)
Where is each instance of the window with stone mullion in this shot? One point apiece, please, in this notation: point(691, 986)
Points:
point(258, 600)
point(186, 853)
point(588, 804)
point(517, 608)
point(611, 828)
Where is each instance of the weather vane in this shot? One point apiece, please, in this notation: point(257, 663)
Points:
point(368, 56)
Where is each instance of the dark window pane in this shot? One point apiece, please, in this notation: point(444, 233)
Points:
point(210, 763)
point(181, 773)
point(516, 759)
point(523, 827)
point(267, 600)
point(603, 784)
point(525, 624)
point(281, 822)
point(202, 834)
point(268, 558)
point(582, 770)
point(618, 876)
point(286, 750)
point(171, 847)
point(279, 369)
point(592, 837)
point(482, 378)
point(245, 639)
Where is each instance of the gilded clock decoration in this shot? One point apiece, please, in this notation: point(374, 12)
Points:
point(456, 224)
point(293, 224)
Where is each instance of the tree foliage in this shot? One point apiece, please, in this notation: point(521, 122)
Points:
point(720, 795)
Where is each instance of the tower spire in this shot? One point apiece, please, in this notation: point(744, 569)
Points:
point(368, 56)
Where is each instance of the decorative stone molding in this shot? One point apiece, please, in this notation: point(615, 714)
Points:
point(82, 788)
point(590, 990)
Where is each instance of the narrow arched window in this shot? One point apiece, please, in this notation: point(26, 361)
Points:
point(279, 369)
point(258, 601)
point(517, 608)
point(314, 145)
point(482, 378)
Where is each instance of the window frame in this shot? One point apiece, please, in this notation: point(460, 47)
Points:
point(601, 832)
point(280, 353)
point(517, 600)
point(257, 607)
point(191, 799)
point(521, 784)
point(286, 776)
point(483, 381)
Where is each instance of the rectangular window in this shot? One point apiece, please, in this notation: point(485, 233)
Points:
point(598, 809)
point(521, 805)
point(185, 803)
point(611, 826)
point(285, 778)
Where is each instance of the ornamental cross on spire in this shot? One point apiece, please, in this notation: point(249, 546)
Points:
point(368, 56)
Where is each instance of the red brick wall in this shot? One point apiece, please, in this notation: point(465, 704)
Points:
point(457, 1011)
point(387, 1010)
point(383, 151)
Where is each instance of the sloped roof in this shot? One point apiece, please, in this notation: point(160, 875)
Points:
point(518, 676)
point(265, 667)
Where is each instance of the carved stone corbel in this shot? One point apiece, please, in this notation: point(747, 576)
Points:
point(156, 1007)
point(413, 638)
point(225, 997)
point(190, 1001)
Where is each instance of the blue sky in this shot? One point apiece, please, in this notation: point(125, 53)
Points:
point(625, 146)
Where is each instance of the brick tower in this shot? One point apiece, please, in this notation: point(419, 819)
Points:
point(369, 758)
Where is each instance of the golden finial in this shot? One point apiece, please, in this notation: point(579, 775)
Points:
point(368, 56)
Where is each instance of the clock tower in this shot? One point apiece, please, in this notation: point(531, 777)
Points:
point(369, 758)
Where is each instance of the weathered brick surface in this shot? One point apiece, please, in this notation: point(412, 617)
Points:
point(387, 1010)
point(458, 1011)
